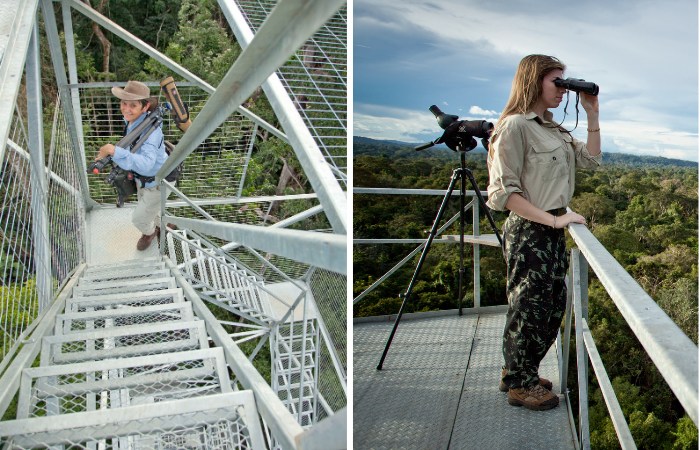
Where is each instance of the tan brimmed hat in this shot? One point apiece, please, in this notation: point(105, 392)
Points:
point(134, 90)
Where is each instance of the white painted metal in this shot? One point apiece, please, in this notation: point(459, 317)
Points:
point(624, 436)
point(16, 25)
point(284, 427)
point(285, 30)
point(324, 250)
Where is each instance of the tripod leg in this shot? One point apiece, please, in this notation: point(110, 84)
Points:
point(462, 220)
point(424, 254)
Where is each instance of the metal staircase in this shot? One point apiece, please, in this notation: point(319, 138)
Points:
point(129, 340)
point(279, 312)
point(95, 352)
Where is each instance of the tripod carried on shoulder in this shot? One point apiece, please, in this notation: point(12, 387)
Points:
point(458, 136)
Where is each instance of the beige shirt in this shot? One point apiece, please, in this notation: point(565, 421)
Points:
point(533, 157)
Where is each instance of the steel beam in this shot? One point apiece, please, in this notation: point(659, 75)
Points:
point(287, 27)
point(62, 83)
point(16, 23)
point(39, 185)
point(324, 250)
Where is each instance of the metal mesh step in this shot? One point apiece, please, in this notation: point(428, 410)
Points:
point(125, 341)
point(124, 274)
point(116, 287)
point(114, 383)
point(122, 316)
point(108, 301)
point(223, 421)
point(143, 263)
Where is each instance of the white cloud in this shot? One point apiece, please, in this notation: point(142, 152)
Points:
point(379, 122)
point(643, 55)
point(477, 111)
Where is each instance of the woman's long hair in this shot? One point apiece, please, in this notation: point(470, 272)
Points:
point(527, 83)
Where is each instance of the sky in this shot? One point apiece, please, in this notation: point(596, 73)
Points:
point(462, 55)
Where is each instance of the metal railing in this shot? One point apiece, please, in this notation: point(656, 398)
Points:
point(671, 351)
point(476, 238)
point(46, 196)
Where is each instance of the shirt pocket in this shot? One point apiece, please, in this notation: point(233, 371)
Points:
point(548, 159)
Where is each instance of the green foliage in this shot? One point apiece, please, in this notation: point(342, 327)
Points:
point(17, 313)
point(200, 43)
point(686, 434)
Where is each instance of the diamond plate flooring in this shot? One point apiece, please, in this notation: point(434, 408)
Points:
point(438, 389)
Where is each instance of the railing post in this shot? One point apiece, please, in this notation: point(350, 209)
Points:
point(578, 267)
point(476, 254)
point(38, 181)
point(62, 81)
point(566, 337)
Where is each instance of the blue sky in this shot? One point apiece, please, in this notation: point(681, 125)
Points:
point(461, 56)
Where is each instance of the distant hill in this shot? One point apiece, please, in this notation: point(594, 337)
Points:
point(397, 149)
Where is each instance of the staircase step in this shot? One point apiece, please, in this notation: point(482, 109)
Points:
point(134, 273)
point(122, 316)
point(141, 262)
point(117, 287)
point(220, 421)
point(108, 301)
point(125, 341)
point(119, 382)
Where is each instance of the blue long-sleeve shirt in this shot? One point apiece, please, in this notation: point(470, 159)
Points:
point(148, 159)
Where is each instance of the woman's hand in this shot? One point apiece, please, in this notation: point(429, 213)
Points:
point(570, 217)
point(105, 150)
point(589, 103)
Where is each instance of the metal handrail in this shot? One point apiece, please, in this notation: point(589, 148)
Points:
point(673, 353)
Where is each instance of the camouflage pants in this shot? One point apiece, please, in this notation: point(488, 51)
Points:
point(537, 264)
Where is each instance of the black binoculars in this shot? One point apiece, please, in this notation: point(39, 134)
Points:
point(577, 85)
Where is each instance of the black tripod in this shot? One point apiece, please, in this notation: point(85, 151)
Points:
point(453, 139)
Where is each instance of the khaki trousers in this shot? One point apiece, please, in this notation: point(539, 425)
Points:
point(147, 213)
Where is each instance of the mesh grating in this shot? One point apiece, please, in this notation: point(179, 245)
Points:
point(22, 295)
point(123, 316)
point(123, 341)
point(214, 169)
point(112, 384)
point(316, 80)
point(223, 425)
point(101, 302)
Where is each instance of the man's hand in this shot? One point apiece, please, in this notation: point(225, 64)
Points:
point(105, 150)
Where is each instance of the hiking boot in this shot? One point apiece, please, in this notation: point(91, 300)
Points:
point(545, 383)
point(536, 398)
point(145, 241)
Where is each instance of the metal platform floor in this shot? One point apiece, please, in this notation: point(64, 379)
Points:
point(438, 388)
point(112, 237)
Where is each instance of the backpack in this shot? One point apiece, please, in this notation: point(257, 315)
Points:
point(176, 173)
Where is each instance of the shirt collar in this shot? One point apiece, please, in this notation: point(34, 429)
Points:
point(548, 116)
